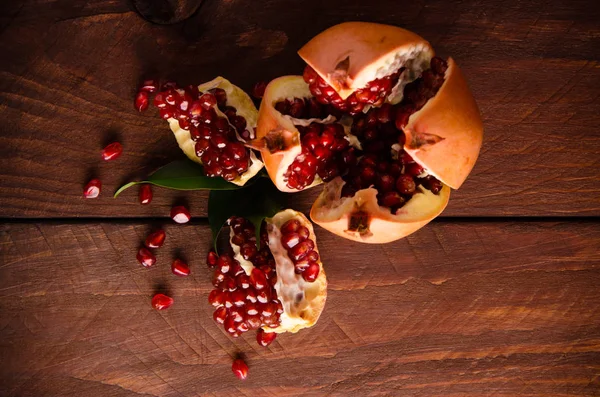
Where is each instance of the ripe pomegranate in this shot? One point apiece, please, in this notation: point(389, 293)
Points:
point(268, 288)
point(390, 128)
point(211, 123)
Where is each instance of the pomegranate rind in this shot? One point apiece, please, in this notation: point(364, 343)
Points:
point(237, 98)
point(280, 129)
point(298, 314)
point(333, 213)
point(350, 55)
point(445, 136)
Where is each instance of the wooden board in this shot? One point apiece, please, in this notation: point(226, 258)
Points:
point(457, 309)
point(69, 72)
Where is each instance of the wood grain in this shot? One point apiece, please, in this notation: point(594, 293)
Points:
point(68, 74)
point(457, 309)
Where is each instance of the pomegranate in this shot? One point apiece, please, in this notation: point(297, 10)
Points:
point(162, 302)
point(112, 151)
point(389, 128)
point(211, 123)
point(240, 369)
point(268, 288)
point(180, 214)
point(92, 189)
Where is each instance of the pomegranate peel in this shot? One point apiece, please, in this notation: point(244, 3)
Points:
point(361, 218)
point(245, 107)
point(445, 136)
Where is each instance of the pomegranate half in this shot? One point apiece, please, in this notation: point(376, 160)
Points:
point(280, 287)
point(386, 124)
point(211, 124)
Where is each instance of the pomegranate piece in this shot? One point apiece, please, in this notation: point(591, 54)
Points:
point(92, 189)
point(265, 338)
point(156, 239)
point(240, 369)
point(180, 268)
point(145, 257)
point(162, 302)
point(112, 151)
point(145, 195)
point(141, 101)
point(259, 89)
point(180, 214)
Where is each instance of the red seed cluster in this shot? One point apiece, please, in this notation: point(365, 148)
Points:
point(373, 94)
point(216, 137)
point(243, 302)
point(295, 238)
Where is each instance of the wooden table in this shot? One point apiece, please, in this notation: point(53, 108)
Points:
point(500, 296)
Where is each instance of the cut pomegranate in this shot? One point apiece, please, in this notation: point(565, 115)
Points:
point(180, 214)
point(210, 129)
point(162, 302)
point(145, 195)
point(240, 369)
point(180, 268)
point(156, 239)
point(141, 101)
point(145, 257)
point(112, 151)
point(92, 189)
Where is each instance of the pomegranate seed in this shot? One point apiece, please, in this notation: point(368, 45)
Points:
point(236, 269)
point(180, 268)
point(220, 314)
point(220, 95)
point(300, 250)
point(92, 189)
point(268, 309)
point(141, 101)
point(229, 324)
point(264, 295)
point(414, 169)
point(312, 272)
point(145, 195)
point(243, 281)
point(243, 327)
point(265, 338)
point(149, 86)
point(238, 314)
point(259, 89)
point(156, 239)
point(229, 284)
point(392, 200)
point(227, 299)
point(145, 257)
point(238, 297)
point(240, 369)
point(180, 214)
point(385, 183)
point(251, 309)
point(211, 259)
point(112, 151)
point(258, 279)
point(251, 295)
point(290, 226)
point(218, 279)
point(253, 321)
point(207, 101)
point(290, 240)
point(405, 184)
point(216, 298)
point(162, 302)
point(224, 263)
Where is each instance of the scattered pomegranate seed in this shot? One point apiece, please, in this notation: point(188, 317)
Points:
point(149, 86)
point(162, 302)
point(265, 338)
point(259, 89)
point(180, 268)
point(112, 151)
point(180, 214)
point(92, 189)
point(141, 101)
point(145, 194)
point(212, 259)
point(240, 369)
point(156, 239)
point(145, 257)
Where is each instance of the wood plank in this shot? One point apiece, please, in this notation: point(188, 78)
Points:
point(533, 67)
point(457, 309)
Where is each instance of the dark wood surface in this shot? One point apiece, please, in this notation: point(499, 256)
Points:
point(498, 297)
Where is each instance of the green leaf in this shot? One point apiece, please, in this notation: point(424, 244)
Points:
point(183, 175)
point(255, 202)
